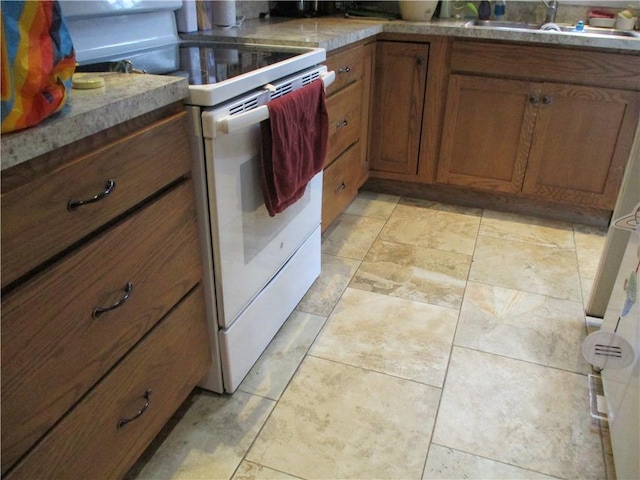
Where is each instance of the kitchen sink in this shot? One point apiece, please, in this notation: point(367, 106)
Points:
point(502, 25)
point(553, 28)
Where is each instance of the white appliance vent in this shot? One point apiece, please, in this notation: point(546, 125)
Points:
point(294, 84)
point(263, 96)
point(245, 106)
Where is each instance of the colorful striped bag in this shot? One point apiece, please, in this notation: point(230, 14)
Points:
point(38, 62)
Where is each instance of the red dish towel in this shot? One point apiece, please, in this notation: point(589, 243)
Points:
point(294, 143)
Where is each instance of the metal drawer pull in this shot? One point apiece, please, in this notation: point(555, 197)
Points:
point(128, 288)
point(546, 100)
point(340, 187)
point(74, 204)
point(346, 69)
point(123, 421)
point(341, 123)
point(533, 99)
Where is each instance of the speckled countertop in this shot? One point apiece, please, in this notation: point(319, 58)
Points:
point(335, 32)
point(128, 96)
point(124, 96)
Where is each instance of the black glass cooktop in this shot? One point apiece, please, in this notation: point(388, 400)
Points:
point(206, 64)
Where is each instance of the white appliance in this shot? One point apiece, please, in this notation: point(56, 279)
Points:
point(622, 385)
point(262, 265)
point(257, 267)
point(618, 276)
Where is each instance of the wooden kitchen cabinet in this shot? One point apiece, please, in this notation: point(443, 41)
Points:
point(557, 141)
point(581, 144)
point(487, 133)
point(68, 358)
point(346, 165)
point(397, 106)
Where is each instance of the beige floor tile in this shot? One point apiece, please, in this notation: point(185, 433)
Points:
point(448, 464)
point(374, 205)
point(415, 273)
point(326, 290)
point(339, 422)
point(433, 225)
point(351, 236)
point(589, 245)
point(510, 226)
point(519, 413)
point(211, 439)
point(525, 266)
point(253, 471)
point(275, 367)
point(524, 326)
point(408, 339)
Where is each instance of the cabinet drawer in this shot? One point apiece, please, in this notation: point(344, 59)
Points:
point(348, 66)
point(36, 223)
point(546, 64)
point(53, 349)
point(87, 443)
point(344, 120)
point(340, 184)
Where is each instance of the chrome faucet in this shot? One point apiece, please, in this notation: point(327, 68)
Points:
point(552, 9)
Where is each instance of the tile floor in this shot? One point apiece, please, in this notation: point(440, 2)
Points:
point(439, 342)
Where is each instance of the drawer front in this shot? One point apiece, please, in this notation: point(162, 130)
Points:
point(348, 66)
point(340, 185)
point(546, 64)
point(36, 221)
point(54, 350)
point(344, 120)
point(87, 443)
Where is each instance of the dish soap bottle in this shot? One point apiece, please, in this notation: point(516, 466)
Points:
point(499, 9)
point(484, 10)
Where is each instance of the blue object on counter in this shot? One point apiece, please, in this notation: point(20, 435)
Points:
point(499, 10)
point(579, 27)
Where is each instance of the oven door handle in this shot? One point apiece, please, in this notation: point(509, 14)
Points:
point(233, 123)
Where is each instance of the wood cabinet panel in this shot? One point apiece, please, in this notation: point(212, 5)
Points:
point(344, 120)
point(159, 154)
point(340, 185)
point(53, 350)
point(578, 67)
point(88, 442)
point(367, 85)
point(397, 106)
point(487, 132)
point(348, 65)
point(581, 144)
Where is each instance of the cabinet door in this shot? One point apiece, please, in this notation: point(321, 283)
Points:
point(581, 143)
point(487, 132)
point(398, 99)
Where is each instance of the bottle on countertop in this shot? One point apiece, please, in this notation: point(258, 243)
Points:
point(499, 9)
point(445, 8)
point(484, 10)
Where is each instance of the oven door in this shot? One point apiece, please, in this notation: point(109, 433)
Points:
point(249, 247)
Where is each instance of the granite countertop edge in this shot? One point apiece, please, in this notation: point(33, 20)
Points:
point(124, 97)
point(332, 33)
